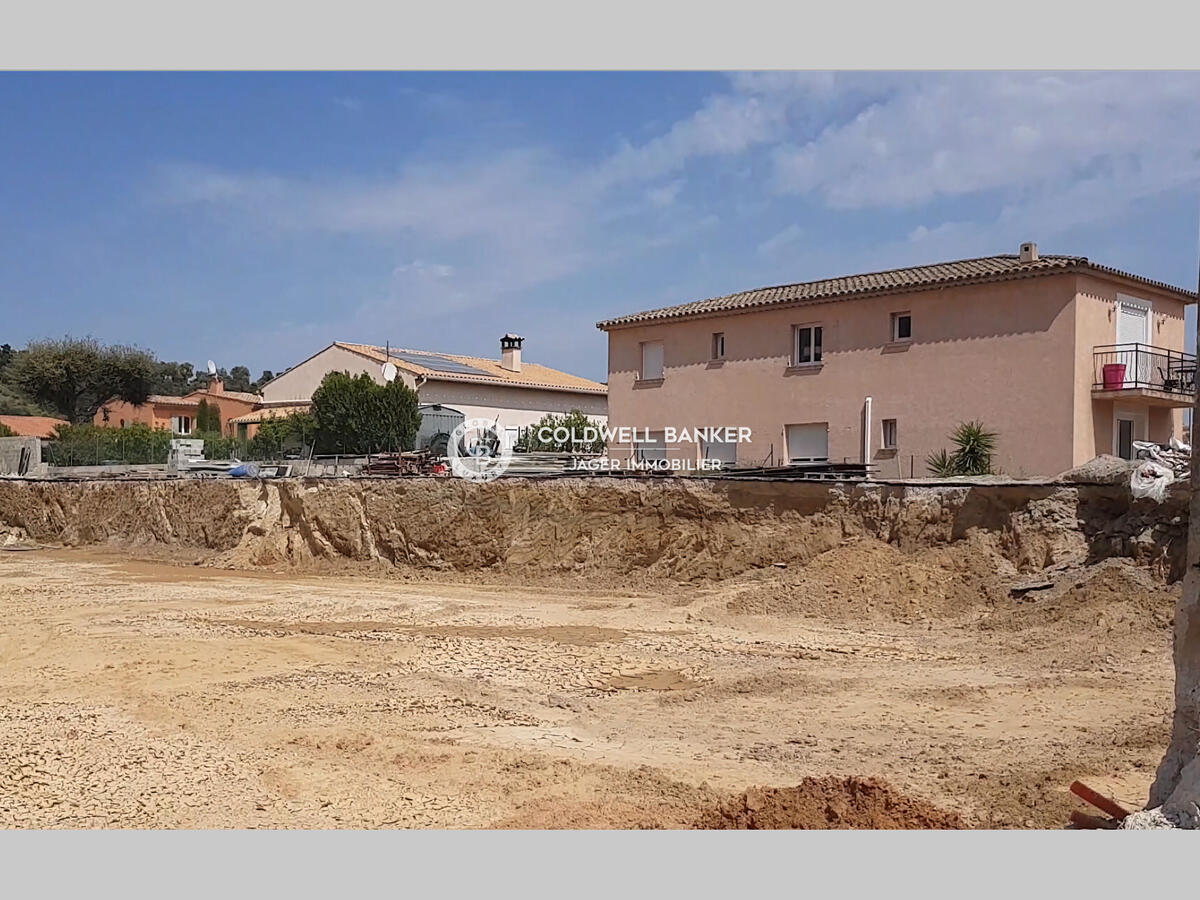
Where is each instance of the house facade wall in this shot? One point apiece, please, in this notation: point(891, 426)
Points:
point(516, 407)
point(1096, 325)
point(1003, 353)
point(118, 413)
point(299, 382)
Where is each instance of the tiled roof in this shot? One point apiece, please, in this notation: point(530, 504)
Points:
point(965, 271)
point(531, 375)
point(32, 426)
point(171, 400)
point(271, 412)
point(244, 396)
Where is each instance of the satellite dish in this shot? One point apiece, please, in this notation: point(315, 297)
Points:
point(212, 367)
point(389, 372)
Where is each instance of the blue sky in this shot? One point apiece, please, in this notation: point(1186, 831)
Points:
point(253, 218)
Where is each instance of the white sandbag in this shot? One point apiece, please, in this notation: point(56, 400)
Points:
point(1151, 480)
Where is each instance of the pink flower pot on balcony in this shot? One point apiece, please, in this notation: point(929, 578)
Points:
point(1114, 376)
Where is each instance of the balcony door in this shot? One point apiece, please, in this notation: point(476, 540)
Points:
point(1133, 327)
point(1129, 424)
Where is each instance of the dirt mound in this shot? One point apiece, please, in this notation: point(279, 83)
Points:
point(864, 578)
point(829, 803)
point(1112, 598)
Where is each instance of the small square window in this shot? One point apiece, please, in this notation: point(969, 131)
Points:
point(718, 345)
point(808, 345)
point(902, 326)
point(889, 434)
point(652, 361)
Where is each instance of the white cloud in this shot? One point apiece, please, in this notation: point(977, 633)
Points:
point(727, 125)
point(1025, 136)
point(786, 238)
point(664, 195)
point(424, 269)
point(980, 160)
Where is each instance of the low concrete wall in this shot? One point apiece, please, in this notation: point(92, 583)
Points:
point(11, 449)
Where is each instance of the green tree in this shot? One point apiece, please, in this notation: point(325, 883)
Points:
point(208, 417)
point(238, 379)
point(6, 356)
point(173, 379)
point(354, 414)
point(575, 422)
point(76, 376)
point(281, 433)
point(266, 376)
point(5, 431)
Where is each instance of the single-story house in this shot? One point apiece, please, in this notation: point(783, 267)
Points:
point(509, 389)
point(179, 413)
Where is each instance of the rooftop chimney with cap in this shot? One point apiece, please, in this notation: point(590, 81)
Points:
point(1029, 252)
point(510, 352)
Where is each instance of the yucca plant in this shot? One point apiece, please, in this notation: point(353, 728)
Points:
point(974, 447)
point(941, 464)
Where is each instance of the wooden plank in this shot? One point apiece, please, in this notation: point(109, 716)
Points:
point(1102, 803)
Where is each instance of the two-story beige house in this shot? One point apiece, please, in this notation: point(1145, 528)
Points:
point(1064, 358)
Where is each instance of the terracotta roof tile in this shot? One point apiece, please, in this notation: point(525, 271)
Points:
point(244, 396)
point(172, 400)
point(531, 375)
point(271, 412)
point(982, 269)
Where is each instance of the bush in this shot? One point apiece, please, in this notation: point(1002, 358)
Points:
point(219, 446)
point(575, 422)
point(353, 414)
point(274, 436)
point(5, 431)
point(91, 445)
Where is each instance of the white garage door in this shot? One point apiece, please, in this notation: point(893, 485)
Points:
point(808, 443)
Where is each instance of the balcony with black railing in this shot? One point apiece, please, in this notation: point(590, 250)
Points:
point(1163, 377)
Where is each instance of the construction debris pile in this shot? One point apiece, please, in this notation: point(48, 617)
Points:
point(413, 462)
point(1162, 464)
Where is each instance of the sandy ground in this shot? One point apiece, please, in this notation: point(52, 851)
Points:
point(142, 694)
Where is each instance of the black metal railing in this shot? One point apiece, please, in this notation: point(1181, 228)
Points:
point(1118, 367)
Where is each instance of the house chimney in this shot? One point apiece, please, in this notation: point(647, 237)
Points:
point(510, 352)
point(1029, 252)
point(216, 385)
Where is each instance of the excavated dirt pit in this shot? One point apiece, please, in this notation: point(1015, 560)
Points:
point(579, 654)
point(828, 803)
